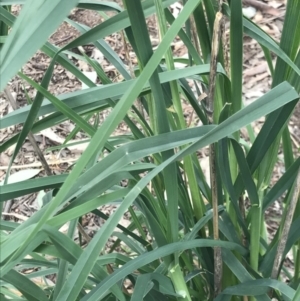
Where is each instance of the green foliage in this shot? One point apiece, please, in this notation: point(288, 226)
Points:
point(170, 243)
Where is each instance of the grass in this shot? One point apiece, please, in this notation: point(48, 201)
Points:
point(189, 238)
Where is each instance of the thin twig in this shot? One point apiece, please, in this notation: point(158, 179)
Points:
point(261, 6)
point(68, 37)
point(39, 164)
point(13, 104)
point(226, 48)
point(195, 35)
point(83, 233)
point(218, 265)
point(243, 213)
point(213, 168)
point(286, 228)
point(213, 63)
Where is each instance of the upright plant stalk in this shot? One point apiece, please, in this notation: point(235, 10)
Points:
point(213, 171)
point(176, 273)
point(148, 97)
point(255, 233)
point(131, 69)
point(235, 73)
point(233, 66)
point(198, 204)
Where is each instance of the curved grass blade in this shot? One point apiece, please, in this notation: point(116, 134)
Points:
point(106, 50)
point(262, 286)
point(28, 288)
point(75, 210)
point(61, 106)
point(255, 32)
point(289, 42)
point(113, 91)
point(145, 283)
point(11, 191)
point(103, 6)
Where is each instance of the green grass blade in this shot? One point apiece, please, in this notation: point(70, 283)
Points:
point(63, 264)
point(28, 288)
point(15, 190)
point(261, 37)
point(283, 184)
point(106, 50)
point(239, 271)
point(223, 160)
point(290, 41)
point(95, 5)
point(61, 106)
point(236, 53)
point(76, 210)
point(262, 286)
point(143, 284)
point(297, 294)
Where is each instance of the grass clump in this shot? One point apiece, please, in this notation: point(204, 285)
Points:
point(189, 237)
